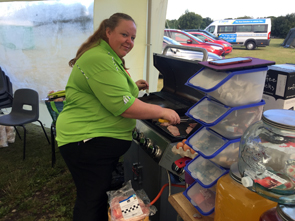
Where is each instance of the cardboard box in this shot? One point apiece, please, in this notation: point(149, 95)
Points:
point(272, 103)
point(279, 88)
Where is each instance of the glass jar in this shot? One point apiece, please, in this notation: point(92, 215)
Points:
point(279, 213)
point(235, 202)
point(267, 156)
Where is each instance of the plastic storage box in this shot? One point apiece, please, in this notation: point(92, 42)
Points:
point(204, 171)
point(232, 88)
point(213, 146)
point(203, 199)
point(229, 122)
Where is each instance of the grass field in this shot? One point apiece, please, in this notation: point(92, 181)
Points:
point(273, 52)
point(32, 189)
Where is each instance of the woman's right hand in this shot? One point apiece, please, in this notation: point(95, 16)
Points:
point(171, 115)
point(142, 110)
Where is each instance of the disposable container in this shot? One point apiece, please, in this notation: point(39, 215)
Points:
point(203, 199)
point(229, 122)
point(232, 88)
point(204, 171)
point(236, 202)
point(213, 146)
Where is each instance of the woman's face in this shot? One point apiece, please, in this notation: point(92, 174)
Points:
point(121, 39)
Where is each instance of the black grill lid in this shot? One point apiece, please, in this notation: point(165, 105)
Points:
point(176, 72)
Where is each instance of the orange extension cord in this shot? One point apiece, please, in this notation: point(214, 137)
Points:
point(161, 191)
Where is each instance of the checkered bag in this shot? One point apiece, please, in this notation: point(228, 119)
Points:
point(128, 205)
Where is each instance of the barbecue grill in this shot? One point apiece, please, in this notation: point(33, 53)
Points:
point(150, 157)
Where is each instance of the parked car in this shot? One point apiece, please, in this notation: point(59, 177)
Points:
point(186, 54)
point(203, 31)
point(201, 35)
point(187, 39)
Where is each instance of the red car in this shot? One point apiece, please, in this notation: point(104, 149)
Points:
point(227, 46)
point(187, 39)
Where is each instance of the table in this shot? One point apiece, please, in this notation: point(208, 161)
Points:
point(186, 210)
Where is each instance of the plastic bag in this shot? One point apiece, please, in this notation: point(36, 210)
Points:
point(10, 134)
point(3, 137)
point(57, 94)
point(128, 205)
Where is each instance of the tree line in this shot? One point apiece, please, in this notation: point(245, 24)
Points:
point(280, 26)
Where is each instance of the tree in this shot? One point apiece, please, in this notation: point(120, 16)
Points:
point(291, 20)
point(190, 20)
point(280, 27)
point(245, 17)
point(172, 24)
point(205, 22)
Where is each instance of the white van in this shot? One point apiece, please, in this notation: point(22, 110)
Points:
point(251, 33)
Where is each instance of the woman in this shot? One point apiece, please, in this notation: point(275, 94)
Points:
point(94, 128)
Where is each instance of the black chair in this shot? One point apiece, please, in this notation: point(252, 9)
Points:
point(25, 109)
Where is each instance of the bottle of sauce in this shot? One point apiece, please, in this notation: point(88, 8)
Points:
point(235, 202)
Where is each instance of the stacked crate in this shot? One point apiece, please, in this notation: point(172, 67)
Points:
point(232, 103)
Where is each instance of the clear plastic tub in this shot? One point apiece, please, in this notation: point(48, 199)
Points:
point(203, 199)
point(204, 171)
point(211, 145)
point(235, 88)
point(230, 123)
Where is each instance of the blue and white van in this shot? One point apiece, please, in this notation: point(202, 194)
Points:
point(250, 33)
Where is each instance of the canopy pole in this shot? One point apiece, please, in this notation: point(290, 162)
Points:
point(148, 60)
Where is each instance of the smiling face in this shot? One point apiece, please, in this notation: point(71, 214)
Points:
point(121, 39)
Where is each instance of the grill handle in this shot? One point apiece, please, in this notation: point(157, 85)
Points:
point(205, 56)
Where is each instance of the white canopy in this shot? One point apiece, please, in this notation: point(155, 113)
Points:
point(149, 16)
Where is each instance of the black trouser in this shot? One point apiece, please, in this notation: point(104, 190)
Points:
point(91, 165)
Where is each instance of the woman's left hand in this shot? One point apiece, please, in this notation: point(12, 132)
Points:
point(142, 84)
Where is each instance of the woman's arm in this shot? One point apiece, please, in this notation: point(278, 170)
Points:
point(142, 110)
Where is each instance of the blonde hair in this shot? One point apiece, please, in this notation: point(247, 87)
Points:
point(99, 34)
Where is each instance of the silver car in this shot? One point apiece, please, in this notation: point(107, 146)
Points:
point(186, 54)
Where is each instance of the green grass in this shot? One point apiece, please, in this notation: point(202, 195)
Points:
point(273, 52)
point(32, 189)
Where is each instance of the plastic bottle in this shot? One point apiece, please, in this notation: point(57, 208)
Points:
point(235, 202)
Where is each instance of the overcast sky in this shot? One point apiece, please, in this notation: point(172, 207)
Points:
point(216, 9)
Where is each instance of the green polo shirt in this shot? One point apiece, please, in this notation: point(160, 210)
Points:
point(98, 91)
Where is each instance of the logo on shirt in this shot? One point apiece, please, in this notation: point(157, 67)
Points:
point(126, 99)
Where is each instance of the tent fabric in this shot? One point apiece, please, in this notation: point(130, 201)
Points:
point(290, 39)
point(43, 77)
point(35, 66)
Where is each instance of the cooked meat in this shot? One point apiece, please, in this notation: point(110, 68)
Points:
point(188, 130)
point(165, 124)
point(173, 130)
point(193, 124)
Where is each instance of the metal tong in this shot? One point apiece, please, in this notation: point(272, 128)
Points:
point(167, 121)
